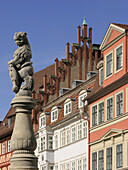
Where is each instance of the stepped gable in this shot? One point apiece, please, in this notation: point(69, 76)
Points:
point(6, 130)
point(38, 76)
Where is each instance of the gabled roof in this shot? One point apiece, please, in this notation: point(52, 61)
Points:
point(113, 26)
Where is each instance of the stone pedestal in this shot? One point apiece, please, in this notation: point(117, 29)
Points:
point(23, 141)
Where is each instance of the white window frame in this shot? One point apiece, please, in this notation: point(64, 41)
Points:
point(67, 109)
point(67, 166)
point(67, 136)
point(84, 129)
point(84, 163)
point(79, 164)
point(116, 102)
point(63, 138)
point(116, 71)
point(73, 134)
point(9, 145)
point(42, 121)
point(55, 141)
point(73, 165)
point(42, 143)
point(56, 167)
point(62, 166)
point(79, 131)
point(100, 76)
point(106, 77)
point(55, 116)
point(81, 97)
point(3, 148)
point(111, 97)
point(50, 141)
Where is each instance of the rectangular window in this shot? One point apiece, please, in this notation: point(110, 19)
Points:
point(119, 156)
point(42, 143)
point(84, 129)
point(62, 138)
point(101, 160)
point(43, 168)
point(84, 164)
point(62, 166)
point(67, 136)
point(101, 77)
point(67, 166)
point(101, 112)
point(94, 115)
point(79, 131)
point(119, 58)
point(109, 108)
point(50, 142)
point(54, 115)
point(94, 161)
point(109, 65)
point(67, 108)
point(56, 141)
point(73, 165)
point(81, 98)
point(119, 104)
point(79, 164)
point(73, 134)
point(42, 121)
point(3, 148)
point(9, 145)
point(56, 167)
point(109, 159)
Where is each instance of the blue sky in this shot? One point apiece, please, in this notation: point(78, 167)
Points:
point(50, 24)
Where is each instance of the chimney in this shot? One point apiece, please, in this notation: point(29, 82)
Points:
point(67, 51)
point(96, 59)
point(84, 28)
point(45, 88)
point(63, 72)
point(90, 49)
point(90, 33)
point(56, 67)
point(73, 52)
point(51, 83)
point(78, 36)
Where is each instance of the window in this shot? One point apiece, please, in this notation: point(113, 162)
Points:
point(119, 104)
point(109, 65)
point(101, 112)
point(94, 115)
point(84, 129)
point(79, 131)
point(101, 76)
point(50, 142)
point(119, 156)
point(67, 108)
point(42, 121)
point(119, 58)
point(62, 166)
point(79, 164)
point(56, 167)
point(54, 115)
point(94, 161)
point(101, 160)
point(73, 134)
point(67, 166)
point(81, 98)
point(109, 159)
point(43, 168)
point(42, 143)
point(56, 141)
point(3, 148)
point(73, 165)
point(67, 136)
point(9, 121)
point(63, 138)
point(84, 164)
point(109, 108)
point(51, 167)
point(9, 145)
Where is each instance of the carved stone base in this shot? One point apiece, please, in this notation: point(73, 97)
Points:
point(23, 160)
point(23, 141)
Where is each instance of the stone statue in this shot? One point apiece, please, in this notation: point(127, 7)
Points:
point(20, 68)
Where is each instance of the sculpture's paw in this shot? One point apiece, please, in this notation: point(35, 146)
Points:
point(15, 89)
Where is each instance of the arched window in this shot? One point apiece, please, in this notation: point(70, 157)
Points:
point(67, 106)
point(54, 114)
point(82, 96)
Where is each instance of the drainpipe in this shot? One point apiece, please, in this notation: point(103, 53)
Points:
point(81, 114)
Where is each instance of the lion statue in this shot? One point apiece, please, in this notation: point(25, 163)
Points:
point(20, 68)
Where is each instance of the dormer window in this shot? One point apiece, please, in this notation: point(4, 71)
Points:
point(109, 62)
point(82, 96)
point(67, 107)
point(119, 57)
point(54, 114)
point(100, 68)
point(42, 121)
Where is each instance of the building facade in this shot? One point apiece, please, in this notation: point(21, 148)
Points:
point(108, 103)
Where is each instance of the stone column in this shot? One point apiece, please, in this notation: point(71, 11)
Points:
point(23, 141)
